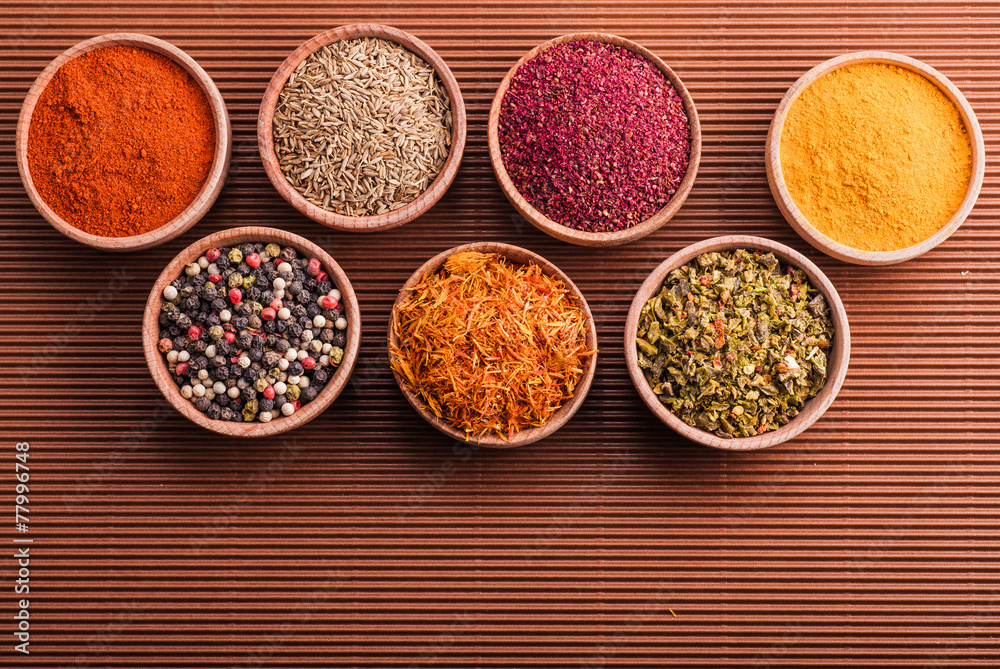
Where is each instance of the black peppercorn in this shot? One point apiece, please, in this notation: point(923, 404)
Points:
point(295, 329)
point(200, 345)
point(222, 400)
point(313, 310)
point(214, 411)
point(246, 249)
point(309, 394)
point(324, 287)
point(295, 368)
point(248, 394)
point(202, 404)
point(288, 254)
point(265, 404)
point(339, 338)
point(280, 400)
point(256, 354)
point(294, 288)
point(254, 322)
point(198, 280)
point(305, 297)
point(319, 376)
point(246, 341)
point(281, 346)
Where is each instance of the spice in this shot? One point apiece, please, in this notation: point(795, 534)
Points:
point(220, 349)
point(121, 141)
point(735, 344)
point(362, 127)
point(875, 156)
point(489, 346)
point(594, 136)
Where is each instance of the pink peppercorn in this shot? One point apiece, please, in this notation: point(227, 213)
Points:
point(230, 336)
point(297, 404)
point(165, 345)
point(313, 268)
point(594, 136)
point(268, 314)
point(276, 304)
point(212, 255)
point(182, 367)
point(308, 362)
point(215, 278)
point(322, 276)
point(269, 392)
point(253, 260)
point(194, 333)
point(329, 302)
point(235, 295)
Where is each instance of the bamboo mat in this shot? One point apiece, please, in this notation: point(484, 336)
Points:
point(368, 539)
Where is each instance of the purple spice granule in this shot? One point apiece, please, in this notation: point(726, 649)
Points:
point(594, 136)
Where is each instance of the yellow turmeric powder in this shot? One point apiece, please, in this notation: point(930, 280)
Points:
point(875, 156)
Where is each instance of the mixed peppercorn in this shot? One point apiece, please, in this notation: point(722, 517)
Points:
point(252, 332)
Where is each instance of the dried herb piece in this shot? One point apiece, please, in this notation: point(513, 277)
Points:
point(489, 346)
point(735, 344)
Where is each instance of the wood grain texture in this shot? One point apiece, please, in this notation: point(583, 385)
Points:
point(801, 224)
point(366, 538)
point(517, 256)
point(213, 183)
point(839, 354)
point(280, 424)
point(583, 237)
point(390, 219)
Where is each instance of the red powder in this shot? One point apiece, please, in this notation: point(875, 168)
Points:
point(594, 136)
point(121, 141)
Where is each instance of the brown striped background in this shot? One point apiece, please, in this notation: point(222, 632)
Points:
point(367, 539)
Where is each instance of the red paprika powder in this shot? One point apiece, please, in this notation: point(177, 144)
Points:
point(121, 141)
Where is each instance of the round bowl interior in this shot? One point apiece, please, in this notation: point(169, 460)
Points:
point(839, 354)
point(582, 237)
point(798, 221)
point(529, 435)
point(392, 219)
point(158, 366)
point(213, 183)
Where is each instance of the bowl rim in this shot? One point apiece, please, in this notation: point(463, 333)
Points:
point(798, 221)
point(814, 408)
point(209, 191)
point(423, 202)
point(582, 237)
point(517, 255)
point(157, 365)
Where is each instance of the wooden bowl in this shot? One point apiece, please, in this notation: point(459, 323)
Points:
point(392, 219)
point(582, 237)
point(158, 366)
point(798, 221)
point(529, 435)
point(213, 183)
point(840, 352)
